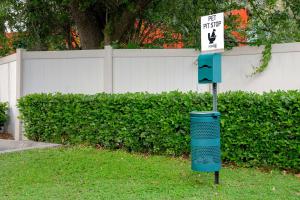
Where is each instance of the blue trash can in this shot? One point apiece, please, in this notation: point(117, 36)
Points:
point(205, 141)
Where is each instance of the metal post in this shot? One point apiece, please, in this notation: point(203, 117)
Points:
point(217, 177)
point(215, 100)
point(215, 108)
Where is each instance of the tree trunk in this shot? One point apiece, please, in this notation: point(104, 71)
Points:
point(2, 28)
point(88, 25)
point(94, 26)
point(120, 25)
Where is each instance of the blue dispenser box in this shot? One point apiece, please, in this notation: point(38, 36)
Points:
point(209, 68)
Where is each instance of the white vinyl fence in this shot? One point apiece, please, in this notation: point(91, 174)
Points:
point(8, 89)
point(138, 70)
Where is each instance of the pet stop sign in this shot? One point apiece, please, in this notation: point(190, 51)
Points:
point(212, 32)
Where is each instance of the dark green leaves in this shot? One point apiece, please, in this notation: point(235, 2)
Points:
point(256, 130)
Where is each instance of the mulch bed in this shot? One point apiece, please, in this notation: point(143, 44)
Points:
point(6, 136)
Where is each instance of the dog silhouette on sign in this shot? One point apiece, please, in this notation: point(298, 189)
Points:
point(212, 37)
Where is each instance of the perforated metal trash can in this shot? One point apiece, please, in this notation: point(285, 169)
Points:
point(205, 141)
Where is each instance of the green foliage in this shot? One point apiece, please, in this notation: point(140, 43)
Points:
point(4, 49)
point(257, 130)
point(36, 24)
point(3, 113)
point(261, 129)
point(271, 22)
point(266, 57)
point(183, 16)
point(274, 21)
point(47, 24)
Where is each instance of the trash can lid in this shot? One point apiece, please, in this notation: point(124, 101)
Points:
point(204, 114)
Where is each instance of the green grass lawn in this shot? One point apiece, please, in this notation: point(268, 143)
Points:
point(87, 173)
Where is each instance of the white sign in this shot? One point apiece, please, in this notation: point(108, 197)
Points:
point(212, 32)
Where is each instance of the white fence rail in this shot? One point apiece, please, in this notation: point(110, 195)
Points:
point(137, 70)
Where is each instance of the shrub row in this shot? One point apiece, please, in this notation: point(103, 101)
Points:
point(257, 130)
point(3, 113)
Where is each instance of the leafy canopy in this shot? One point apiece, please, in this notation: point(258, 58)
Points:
point(51, 24)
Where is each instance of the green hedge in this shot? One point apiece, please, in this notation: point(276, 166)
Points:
point(257, 130)
point(3, 113)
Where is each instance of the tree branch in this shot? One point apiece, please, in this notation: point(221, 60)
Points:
point(259, 15)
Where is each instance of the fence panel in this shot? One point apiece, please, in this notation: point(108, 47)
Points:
point(63, 72)
point(154, 71)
